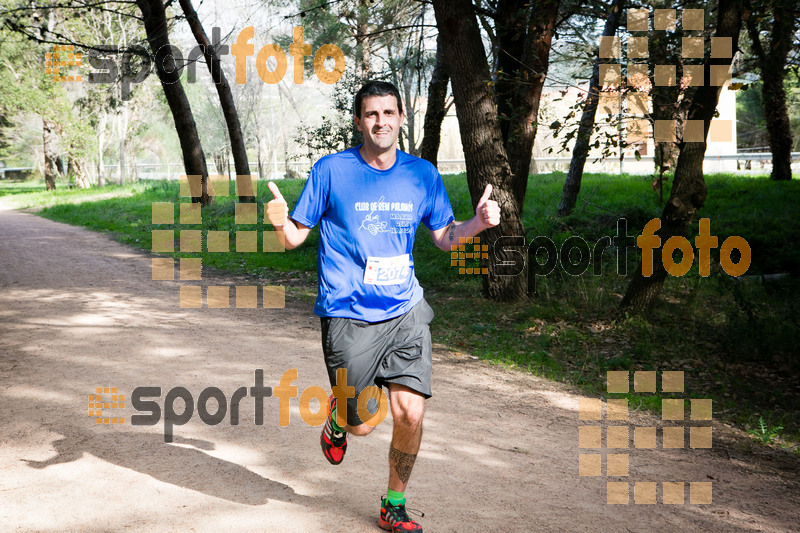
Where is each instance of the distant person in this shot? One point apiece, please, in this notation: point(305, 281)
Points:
point(369, 201)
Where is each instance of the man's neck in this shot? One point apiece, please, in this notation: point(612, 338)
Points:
point(380, 161)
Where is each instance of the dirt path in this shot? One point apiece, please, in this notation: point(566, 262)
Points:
point(500, 452)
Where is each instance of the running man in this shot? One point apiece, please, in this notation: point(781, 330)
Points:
point(369, 201)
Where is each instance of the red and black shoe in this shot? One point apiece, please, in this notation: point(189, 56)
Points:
point(334, 443)
point(394, 518)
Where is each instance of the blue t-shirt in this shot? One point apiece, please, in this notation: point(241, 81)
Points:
point(368, 219)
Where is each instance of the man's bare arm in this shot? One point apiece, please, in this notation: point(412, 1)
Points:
point(487, 215)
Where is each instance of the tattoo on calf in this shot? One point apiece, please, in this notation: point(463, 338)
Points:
point(452, 233)
point(402, 463)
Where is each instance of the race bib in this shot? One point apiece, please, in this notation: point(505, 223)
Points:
point(387, 270)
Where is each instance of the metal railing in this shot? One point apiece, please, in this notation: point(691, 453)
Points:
point(173, 171)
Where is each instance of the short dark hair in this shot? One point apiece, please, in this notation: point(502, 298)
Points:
point(376, 88)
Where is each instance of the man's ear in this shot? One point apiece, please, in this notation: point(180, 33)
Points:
point(357, 122)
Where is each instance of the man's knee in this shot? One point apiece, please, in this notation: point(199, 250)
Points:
point(410, 417)
point(361, 430)
point(408, 408)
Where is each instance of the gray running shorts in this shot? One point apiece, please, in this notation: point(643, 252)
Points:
point(397, 350)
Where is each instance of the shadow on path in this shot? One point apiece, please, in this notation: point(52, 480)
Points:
point(186, 465)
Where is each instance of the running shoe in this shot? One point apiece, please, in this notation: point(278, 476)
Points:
point(395, 519)
point(334, 443)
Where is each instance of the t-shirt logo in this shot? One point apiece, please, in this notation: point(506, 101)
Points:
point(400, 216)
point(373, 223)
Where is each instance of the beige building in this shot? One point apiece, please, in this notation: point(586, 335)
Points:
point(557, 104)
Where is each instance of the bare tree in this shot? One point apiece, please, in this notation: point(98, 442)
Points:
point(155, 24)
point(225, 96)
point(572, 185)
point(436, 110)
point(689, 189)
point(486, 156)
point(781, 16)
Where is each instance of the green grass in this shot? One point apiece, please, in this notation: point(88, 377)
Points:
point(735, 341)
point(127, 215)
point(13, 187)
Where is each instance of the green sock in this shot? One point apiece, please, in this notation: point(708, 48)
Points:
point(334, 425)
point(395, 498)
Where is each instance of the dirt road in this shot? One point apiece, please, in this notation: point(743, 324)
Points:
point(500, 452)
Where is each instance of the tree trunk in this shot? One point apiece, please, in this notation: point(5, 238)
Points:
point(772, 64)
point(411, 116)
point(43, 29)
point(485, 154)
point(50, 154)
point(259, 156)
point(79, 167)
point(60, 167)
point(435, 112)
point(510, 26)
point(524, 57)
point(580, 152)
point(219, 162)
point(122, 124)
point(666, 106)
point(363, 41)
point(689, 188)
point(287, 170)
point(776, 116)
point(225, 94)
point(101, 139)
point(194, 161)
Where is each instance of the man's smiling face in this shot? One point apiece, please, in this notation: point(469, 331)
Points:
point(380, 123)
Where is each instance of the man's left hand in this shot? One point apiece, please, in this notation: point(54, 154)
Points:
point(487, 211)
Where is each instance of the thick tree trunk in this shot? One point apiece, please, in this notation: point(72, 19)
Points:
point(779, 129)
point(49, 142)
point(689, 188)
point(525, 37)
point(80, 169)
point(580, 152)
point(772, 64)
point(435, 112)
point(485, 154)
point(194, 161)
point(511, 21)
point(225, 94)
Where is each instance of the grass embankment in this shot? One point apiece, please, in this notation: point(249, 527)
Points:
point(735, 340)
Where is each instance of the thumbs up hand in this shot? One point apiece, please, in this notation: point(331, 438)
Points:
point(487, 211)
point(277, 209)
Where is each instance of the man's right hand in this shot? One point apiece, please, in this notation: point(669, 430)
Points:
point(291, 233)
point(277, 209)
